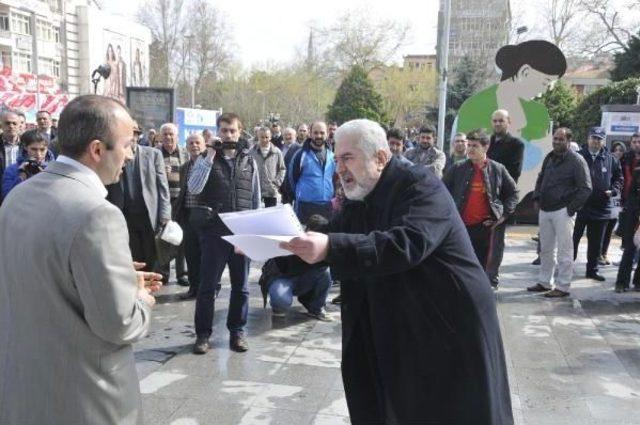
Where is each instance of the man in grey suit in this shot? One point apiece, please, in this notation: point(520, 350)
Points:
point(71, 302)
point(143, 196)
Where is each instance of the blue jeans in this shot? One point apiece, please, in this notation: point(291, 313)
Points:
point(311, 288)
point(216, 254)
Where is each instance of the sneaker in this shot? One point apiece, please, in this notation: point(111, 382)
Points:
point(556, 293)
point(202, 345)
point(321, 316)
point(238, 343)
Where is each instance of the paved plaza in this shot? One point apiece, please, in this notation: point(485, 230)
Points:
point(571, 361)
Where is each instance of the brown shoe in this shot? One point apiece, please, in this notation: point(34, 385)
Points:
point(556, 293)
point(238, 343)
point(538, 287)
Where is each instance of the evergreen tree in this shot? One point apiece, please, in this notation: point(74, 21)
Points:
point(627, 62)
point(561, 102)
point(466, 80)
point(356, 98)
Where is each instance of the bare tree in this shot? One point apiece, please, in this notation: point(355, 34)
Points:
point(610, 31)
point(358, 39)
point(166, 21)
point(562, 17)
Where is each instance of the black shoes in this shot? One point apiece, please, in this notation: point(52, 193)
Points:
point(536, 262)
point(595, 276)
point(189, 295)
point(556, 293)
point(238, 343)
point(538, 287)
point(183, 281)
point(202, 345)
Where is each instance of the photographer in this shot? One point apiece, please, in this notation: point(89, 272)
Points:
point(33, 158)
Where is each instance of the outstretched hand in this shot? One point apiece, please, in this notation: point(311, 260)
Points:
point(312, 247)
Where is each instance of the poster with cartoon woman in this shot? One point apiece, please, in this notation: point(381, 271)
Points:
point(527, 69)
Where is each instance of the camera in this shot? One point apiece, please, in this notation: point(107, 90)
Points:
point(220, 145)
point(31, 167)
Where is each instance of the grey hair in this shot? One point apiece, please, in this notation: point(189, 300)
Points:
point(502, 112)
point(195, 136)
point(289, 129)
point(170, 125)
point(367, 135)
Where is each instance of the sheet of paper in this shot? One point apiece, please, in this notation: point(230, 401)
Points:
point(259, 247)
point(280, 220)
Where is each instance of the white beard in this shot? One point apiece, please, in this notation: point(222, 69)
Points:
point(361, 189)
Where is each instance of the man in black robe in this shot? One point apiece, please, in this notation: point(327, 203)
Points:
point(421, 342)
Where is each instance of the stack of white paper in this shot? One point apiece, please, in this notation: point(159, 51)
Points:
point(258, 233)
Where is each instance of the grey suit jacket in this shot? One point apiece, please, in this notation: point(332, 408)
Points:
point(155, 187)
point(68, 305)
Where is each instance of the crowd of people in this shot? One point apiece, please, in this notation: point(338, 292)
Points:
point(377, 207)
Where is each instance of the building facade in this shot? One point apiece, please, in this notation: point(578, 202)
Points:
point(478, 28)
point(48, 49)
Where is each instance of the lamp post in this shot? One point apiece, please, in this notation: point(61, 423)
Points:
point(191, 82)
point(444, 50)
point(637, 95)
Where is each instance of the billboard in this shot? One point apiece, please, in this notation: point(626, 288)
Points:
point(29, 93)
point(151, 107)
point(194, 121)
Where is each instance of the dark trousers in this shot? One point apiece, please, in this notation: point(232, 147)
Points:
point(595, 234)
point(480, 236)
point(496, 252)
point(608, 232)
point(192, 253)
point(142, 241)
point(307, 209)
point(270, 201)
point(628, 223)
point(216, 254)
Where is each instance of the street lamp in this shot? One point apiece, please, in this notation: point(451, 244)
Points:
point(189, 38)
point(638, 95)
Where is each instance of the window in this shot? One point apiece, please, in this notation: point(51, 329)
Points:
point(4, 22)
point(22, 63)
point(20, 23)
point(5, 59)
point(49, 67)
point(56, 34)
point(44, 31)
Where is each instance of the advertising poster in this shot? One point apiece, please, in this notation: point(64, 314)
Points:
point(117, 55)
point(191, 121)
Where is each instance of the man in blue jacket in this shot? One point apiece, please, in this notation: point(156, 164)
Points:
point(607, 182)
point(311, 175)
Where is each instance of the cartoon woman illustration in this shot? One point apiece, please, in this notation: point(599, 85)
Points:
point(528, 70)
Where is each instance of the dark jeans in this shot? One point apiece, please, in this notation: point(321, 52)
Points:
point(595, 234)
point(216, 254)
point(270, 201)
point(496, 252)
point(307, 209)
point(142, 241)
point(311, 288)
point(608, 231)
point(480, 236)
point(628, 223)
point(192, 253)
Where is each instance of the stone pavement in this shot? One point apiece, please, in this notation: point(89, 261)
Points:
point(571, 361)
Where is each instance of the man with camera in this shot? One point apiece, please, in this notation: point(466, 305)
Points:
point(33, 158)
point(225, 179)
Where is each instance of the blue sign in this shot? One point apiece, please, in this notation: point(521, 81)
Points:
point(624, 128)
point(191, 121)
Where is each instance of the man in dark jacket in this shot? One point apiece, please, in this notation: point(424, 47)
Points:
point(483, 191)
point(225, 180)
point(508, 150)
point(606, 182)
point(562, 188)
point(629, 215)
point(421, 341)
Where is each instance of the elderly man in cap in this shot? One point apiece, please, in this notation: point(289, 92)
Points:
point(607, 182)
point(420, 334)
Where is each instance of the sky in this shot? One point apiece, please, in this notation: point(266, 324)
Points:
point(269, 32)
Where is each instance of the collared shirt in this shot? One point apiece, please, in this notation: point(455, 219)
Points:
point(173, 160)
point(87, 172)
point(190, 200)
point(11, 152)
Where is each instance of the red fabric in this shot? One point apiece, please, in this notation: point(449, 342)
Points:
point(628, 175)
point(476, 210)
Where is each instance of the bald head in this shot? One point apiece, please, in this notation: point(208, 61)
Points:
point(318, 134)
point(500, 122)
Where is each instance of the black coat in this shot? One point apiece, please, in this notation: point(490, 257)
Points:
point(509, 151)
point(606, 174)
point(421, 340)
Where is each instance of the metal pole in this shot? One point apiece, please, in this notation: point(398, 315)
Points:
point(444, 50)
